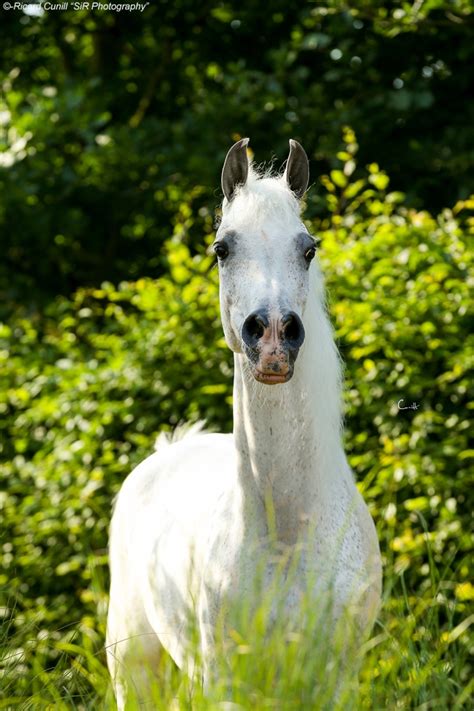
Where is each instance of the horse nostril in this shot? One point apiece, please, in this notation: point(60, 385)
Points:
point(290, 327)
point(254, 328)
point(293, 330)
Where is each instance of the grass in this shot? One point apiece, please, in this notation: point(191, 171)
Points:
point(416, 658)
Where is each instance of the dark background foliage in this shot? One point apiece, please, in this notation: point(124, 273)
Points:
point(115, 109)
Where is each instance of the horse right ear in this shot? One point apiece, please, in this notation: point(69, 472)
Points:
point(236, 168)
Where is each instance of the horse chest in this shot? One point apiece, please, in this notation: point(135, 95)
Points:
point(247, 562)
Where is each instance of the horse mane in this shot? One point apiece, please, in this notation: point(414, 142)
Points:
point(182, 431)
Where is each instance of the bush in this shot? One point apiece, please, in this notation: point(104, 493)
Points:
point(88, 384)
point(400, 286)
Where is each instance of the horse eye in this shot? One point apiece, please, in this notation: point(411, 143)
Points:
point(221, 250)
point(309, 254)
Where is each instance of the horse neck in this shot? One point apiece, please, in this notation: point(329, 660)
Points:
point(288, 437)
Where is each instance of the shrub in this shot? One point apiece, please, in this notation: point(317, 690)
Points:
point(88, 384)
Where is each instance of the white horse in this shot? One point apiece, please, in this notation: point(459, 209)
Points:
point(191, 523)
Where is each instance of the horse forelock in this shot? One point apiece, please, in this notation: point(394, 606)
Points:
point(265, 195)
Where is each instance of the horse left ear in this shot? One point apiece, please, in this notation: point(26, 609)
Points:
point(297, 169)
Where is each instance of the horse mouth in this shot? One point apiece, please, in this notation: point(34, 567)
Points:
point(272, 378)
point(270, 368)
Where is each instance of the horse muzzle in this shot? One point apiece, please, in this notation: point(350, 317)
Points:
point(272, 344)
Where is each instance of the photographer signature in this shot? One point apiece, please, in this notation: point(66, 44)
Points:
point(414, 406)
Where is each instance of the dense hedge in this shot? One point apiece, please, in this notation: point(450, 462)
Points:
point(88, 384)
point(401, 283)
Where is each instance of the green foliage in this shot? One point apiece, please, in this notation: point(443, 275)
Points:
point(108, 119)
point(88, 383)
point(400, 283)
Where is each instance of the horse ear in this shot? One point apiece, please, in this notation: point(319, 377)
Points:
point(297, 169)
point(236, 168)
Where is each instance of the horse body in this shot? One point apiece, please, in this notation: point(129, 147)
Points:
point(196, 525)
